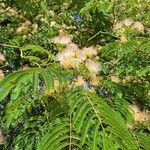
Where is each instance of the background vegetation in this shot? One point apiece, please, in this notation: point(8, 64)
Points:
point(74, 74)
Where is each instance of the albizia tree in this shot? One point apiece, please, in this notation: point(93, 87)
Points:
point(74, 75)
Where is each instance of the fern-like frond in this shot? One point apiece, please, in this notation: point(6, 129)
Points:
point(28, 133)
point(57, 136)
point(24, 87)
point(127, 57)
point(144, 140)
point(91, 114)
point(36, 54)
point(7, 84)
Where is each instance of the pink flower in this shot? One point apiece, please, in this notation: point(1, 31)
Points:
point(62, 39)
point(79, 81)
point(80, 56)
point(60, 56)
point(90, 51)
point(93, 67)
point(2, 57)
point(118, 26)
point(141, 117)
point(94, 80)
point(1, 75)
point(72, 46)
point(69, 63)
point(69, 53)
point(128, 22)
point(138, 26)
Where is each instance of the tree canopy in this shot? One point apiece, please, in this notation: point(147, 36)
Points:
point(75, 74)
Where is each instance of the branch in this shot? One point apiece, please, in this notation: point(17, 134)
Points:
point(107, 33)
point(5, 45)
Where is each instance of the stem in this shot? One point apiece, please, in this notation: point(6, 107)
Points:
point(70, 134)
point(5, 45)
point(114, 13)
point(107, 33)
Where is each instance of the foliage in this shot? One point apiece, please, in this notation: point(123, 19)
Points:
point(73, 70)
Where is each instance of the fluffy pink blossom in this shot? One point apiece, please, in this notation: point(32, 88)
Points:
point(138, 26)
point(80, 56)
point(118, 26)
point(94, 80)
point(93, 67)
point(138, 114)
point(69, 53)
point(90, 51)
point(128, 22)
point(69, 63)
point(62, 39)
point(2, 57)
point(1, 75)
point(72, 46)
point(60, 56)
point(79, 81)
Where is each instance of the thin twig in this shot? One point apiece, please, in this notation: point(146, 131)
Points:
point(94, 36)
point(5, 45)
point(107, 33)
point(114, 13)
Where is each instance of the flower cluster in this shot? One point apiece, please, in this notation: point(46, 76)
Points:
point(129, 22)
point(72, 57)
point(134, 25)
point(119, 28)
point(2, 57)
point(139, 115)
point(62, 39)
point(27, 27)
point(1, 75)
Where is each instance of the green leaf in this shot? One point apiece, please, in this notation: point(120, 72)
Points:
point(34, 49)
